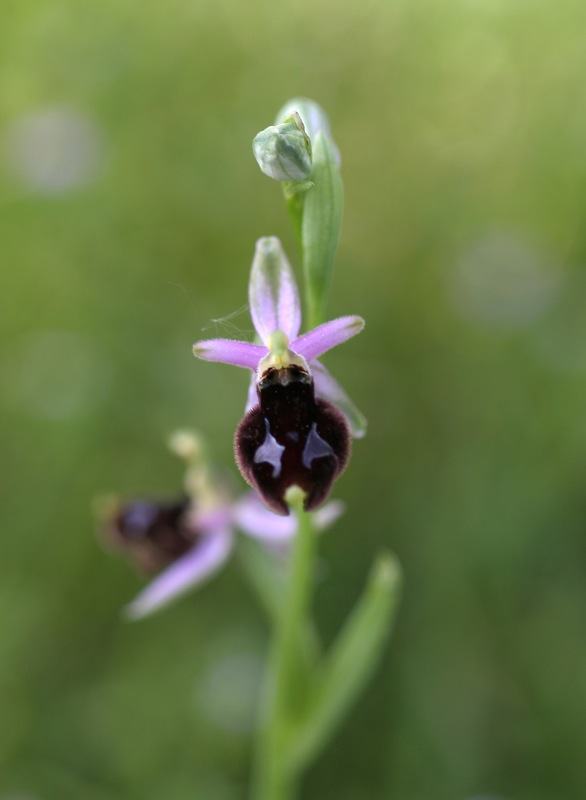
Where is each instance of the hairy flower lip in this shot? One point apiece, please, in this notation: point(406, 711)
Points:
point(292, 439)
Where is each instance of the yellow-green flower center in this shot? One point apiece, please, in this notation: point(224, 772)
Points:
point(280, 356)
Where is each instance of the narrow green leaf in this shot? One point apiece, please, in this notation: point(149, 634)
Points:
point(320, 229)
point(350, 662)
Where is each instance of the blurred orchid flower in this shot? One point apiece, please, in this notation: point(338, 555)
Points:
point(299, 421)
point(184, 542)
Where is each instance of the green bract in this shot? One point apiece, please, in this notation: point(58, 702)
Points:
point(320, 226)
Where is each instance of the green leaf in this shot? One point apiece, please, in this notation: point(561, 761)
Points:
point(350, 662)
point(320, 229)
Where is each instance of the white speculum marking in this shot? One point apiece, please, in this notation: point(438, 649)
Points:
point(270, 452)
point(315, 447)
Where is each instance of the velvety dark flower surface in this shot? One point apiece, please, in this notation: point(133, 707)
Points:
point(153, 534)
point(299, 420)
point(292, 438)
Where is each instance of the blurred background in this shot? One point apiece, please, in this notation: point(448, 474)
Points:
point(130, 204)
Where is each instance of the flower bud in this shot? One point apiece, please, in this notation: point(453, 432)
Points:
point(283, 151)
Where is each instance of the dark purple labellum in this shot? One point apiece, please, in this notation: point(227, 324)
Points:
point(153, 534)
point(292, 438)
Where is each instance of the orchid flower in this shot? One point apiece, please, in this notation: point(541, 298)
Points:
point(299, 421)
point(185, 541)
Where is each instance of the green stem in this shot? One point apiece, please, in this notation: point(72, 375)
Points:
point(275, 779)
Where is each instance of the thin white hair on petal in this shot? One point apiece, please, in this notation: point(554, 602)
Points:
point(227, 326)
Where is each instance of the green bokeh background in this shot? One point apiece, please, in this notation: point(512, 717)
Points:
point(462, 126)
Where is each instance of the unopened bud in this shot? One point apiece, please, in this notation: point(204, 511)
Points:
point(283, 151)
